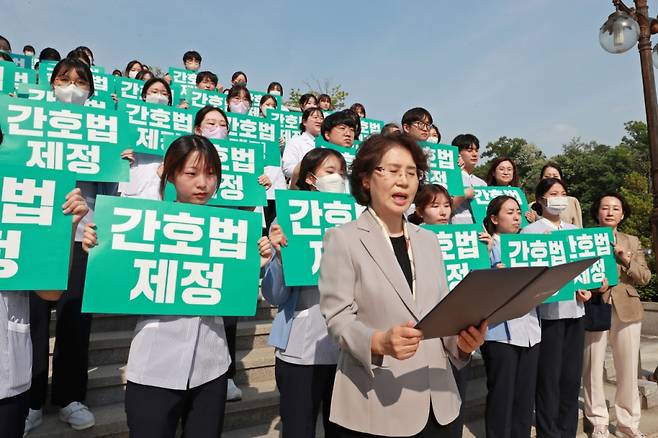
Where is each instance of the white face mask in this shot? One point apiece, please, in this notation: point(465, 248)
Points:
point(157, 98)
point(132, 74)
point(433, 140)
point(556, 204)
point(241, 107)
point(331, 183)
point(71, 94)
point(275, 93)
point(216, 132)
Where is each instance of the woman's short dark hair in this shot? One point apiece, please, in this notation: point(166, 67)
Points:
point(273, 85)
point(4, 44)
point(424, 197)
point(554, 166)
point(625, 206)
point(235, 91)
point(438, 133)
point(131, 64)
point(344, 117)
point(417, 114)
point(79, 54)
point(542, 188)
point(88, 51)
point(116, 72)
point(192, 55)
point(370, 154)
point(201, 76)
point(464, 141)
point(201, 114)
point(359, 106)
point(303, 100)
point(144, 73)
point(29, 48)
point(265, 98)
point(491, 173)
point(314, 159)
point(80, 68)
point(177, 154)
point(325, 97)
point(152, 81)
point(237, 74)
point(49, 54)
point(308, 112)
point(6, 57)
point(493, 209)
point(390, 128)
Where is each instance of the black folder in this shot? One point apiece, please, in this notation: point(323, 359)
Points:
point(497, 295)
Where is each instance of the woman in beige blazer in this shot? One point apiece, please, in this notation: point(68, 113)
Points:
point(379, 276)
point(610, 210)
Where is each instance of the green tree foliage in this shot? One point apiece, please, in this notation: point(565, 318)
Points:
point(636, 191)
point(338, 95)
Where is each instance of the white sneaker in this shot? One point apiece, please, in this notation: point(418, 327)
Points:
point(77, 415)
point(233, 393)
point(600, 431)
point(33, 420)
point(628, 432)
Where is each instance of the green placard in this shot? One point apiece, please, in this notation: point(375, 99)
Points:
point(128, 88)
point(61, 136)
point(348, 153)
point(170, 258)
point(246, 128)
point(7, 75)
point(148, 124)
point(484, 195)
point(289, 122)
point(35, 237)
point(25, 76)
point(242, 164)
point(443, 167)
point(256, 96)
point(369, 127)
point(462, 250)
point(196, 97)
point(23, 61)
point(304, 217)
point(35, 92)
point(182, 76)
point(102, 82)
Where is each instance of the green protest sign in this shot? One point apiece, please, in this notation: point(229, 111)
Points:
point(102, 82)
point(484, 195)
point(443, 167)
point(35, 237)
point(196, 97)
point(462, 250)
point(35, 92)
point(182, 76)
point(7, 74)
point(25, 76)
point(148, 123)
point(256, 96)
point(289, 122)
point(170, 258)
point(348, 153)
point(242, 164)
point(370, 126)
point(304, 217)
point(250, 129)
point(62, 136)
point(128, 88)
point(23, 61)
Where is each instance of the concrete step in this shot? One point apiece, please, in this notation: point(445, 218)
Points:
point(259, 405)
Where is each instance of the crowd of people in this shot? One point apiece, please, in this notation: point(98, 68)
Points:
point(346, 347)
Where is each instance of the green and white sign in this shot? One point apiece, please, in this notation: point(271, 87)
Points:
point(304, 217)
point(289, 122)
point(369, 127)
point(148, 124)
point(170, 258)
point(249, 129)
point(462, 250)
point(443, 167)
point(182, 76)
point(256, 96)
point(128, 88)
point(23, 61)
point(196, 97)
point(35, 237)
point(34, 92)
point(25, 76)
point(102, 81)
point(484, 195)
point(62, 136)
point(7, 74)
point(348, 153)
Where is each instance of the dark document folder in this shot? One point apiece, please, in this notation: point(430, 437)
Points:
point(497, 295)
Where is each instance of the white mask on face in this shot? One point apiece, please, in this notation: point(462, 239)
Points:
point(275, 93)
point(216, 132)
point(71, 94)
point(331, 183)
point(433, 140)
point(132, 74)
point(241, 107)
point(157, 98)
point(556, 204)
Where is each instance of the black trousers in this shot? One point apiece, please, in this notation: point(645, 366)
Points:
point(558, 377)
point(431, 430)
point(71, 355)
point(461, 379)
point(13, 411)
point(302, 389)
point(154, 412)
point(511, 379)
point(270, 214)
point(231, 329)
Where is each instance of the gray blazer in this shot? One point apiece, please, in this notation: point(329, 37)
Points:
point(362, 290)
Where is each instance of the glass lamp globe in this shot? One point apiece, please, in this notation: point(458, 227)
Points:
point(619, 33)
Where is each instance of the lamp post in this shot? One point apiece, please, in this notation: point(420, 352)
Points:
point(623, 29)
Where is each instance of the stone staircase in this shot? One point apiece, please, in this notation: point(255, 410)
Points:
point(257, 414)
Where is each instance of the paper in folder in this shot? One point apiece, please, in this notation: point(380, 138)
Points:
point(497, 295)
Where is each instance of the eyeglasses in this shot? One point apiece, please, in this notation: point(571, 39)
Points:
point(64, 80)
point(422, 126)
point(410, 173)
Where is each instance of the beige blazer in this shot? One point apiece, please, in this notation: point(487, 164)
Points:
point(363, 289)
point(625, 298)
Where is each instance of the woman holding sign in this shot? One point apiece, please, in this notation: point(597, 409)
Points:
point(305, 354)
point(379, 276)
point(177, 366)
point(610, 210)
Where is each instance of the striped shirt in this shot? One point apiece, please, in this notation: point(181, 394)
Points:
point(15, 343)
